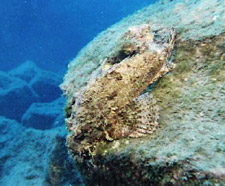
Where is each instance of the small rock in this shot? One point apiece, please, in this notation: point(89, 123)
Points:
point(26, 71)
point(46, 85)
point(44, 115)
point(15, 96)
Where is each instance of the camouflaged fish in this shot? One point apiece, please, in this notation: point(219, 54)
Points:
point(112, 105)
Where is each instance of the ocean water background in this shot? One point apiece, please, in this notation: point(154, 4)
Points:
point(52, 32)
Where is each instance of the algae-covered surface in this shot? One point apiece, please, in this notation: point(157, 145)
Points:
point(194, 19)
point(188, 148)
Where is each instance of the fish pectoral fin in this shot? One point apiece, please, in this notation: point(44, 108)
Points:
point(141, 116)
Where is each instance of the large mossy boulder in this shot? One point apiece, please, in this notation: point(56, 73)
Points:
point(188, 146)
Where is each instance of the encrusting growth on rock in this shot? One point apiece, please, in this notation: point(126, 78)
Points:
point(112, 105)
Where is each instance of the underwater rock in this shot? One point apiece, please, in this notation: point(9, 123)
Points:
point(8, 131)
point(165, 1)
point(44, 115)
point(26, 71)
point(15, 96)
point(25, 85)
point(61, 170)
point(46, 85)
point(26, 154)
point(188, 147)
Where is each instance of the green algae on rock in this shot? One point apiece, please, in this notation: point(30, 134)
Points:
point(188, 146)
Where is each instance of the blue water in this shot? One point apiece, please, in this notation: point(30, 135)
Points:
point(52, 32)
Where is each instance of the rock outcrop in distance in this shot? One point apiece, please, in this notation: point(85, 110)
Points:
point(15, 96)
point(32, 131)
point(182, 140)
point(26, 85)
point(44, 115)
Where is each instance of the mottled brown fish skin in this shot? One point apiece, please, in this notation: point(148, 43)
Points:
point(110, 107)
